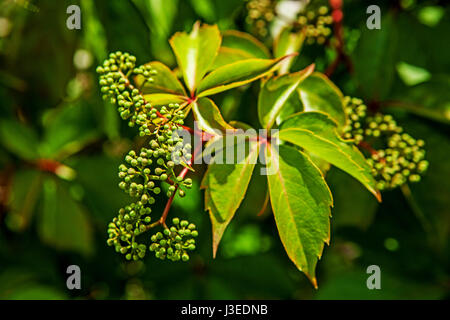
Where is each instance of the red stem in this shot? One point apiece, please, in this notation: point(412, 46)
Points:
point(182, 174)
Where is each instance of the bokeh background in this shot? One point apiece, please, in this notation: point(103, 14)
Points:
point(60, 147)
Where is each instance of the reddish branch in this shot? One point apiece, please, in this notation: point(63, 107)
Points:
point(183, 173)
point(366, 146)
point(338, 30)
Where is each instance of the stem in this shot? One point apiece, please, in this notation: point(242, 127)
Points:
point(338, 30)
point(183, 173)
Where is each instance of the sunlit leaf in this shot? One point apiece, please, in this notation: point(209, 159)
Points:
point(318, 93)
point(316, 132)
point(231, 179)
point(164, 81)
point(245, 42)
point(301, 203)
point(162, 99)
point(275, 92)
point(208, 116)
point(288, 42)
point(195, 52)
point(236, 74)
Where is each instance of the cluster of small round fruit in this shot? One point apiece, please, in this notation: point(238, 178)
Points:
point(115, 86)
point(122, 231)
point(175, 242)
point(398, 159)
point(316, 24)
point(144, 171)
point(260, 15)
point(139, 177)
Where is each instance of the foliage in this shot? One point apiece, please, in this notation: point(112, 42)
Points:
point(234, 73)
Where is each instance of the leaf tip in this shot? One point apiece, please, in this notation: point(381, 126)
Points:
point(378, 196)
point(314, 282)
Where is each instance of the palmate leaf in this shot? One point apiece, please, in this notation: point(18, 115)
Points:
point(195, 52)
point(275, 92)
point(236, 74)
point(316, 133)
point(318, 93)
point(225, 187)
point(301, 201)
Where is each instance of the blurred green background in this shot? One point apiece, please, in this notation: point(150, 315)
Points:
point(60, 147)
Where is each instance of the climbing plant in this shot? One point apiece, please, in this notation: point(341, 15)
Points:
point(308, 125)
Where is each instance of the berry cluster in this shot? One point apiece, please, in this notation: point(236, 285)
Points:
point(316, 24)
point(140, 177)
point(260, 15)
point(132, 220)
point(144, 171)
point(398, 158)
point(175, 242)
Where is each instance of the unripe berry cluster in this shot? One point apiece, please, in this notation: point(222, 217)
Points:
point(399, 157)
point(144, 171)
point(140, 177)
point(116, 88)
point(260, 14)
point(175, 242)
point(316, 24)
point(131, 222)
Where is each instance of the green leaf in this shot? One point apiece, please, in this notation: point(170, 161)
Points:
point(162, 99)
point(164, 81)
point(208, 116)
point(238, 46)
point(63, 224)
point(412, 75)
point(275, 92)
point(229, 56)
point(374, 58)
point(230, 179)
point(316, 132)
point(288, 42)
point(430, 99)
point(318, 93)
point(301, 203)
point(25, 190)
point(246, 43)
point(19, 139)
point(195, 52)
point(236, 74)
point(68, 130)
